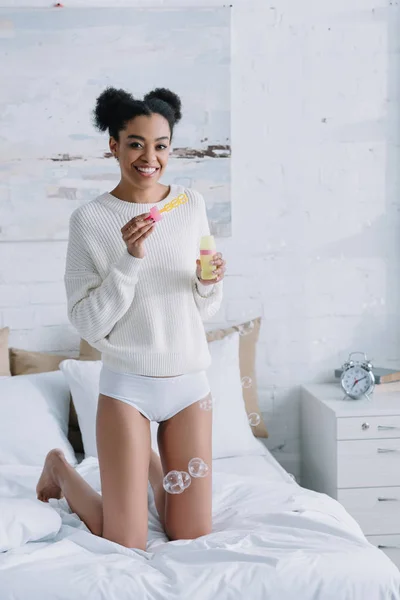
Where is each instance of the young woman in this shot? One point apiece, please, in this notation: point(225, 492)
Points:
point(135, 293)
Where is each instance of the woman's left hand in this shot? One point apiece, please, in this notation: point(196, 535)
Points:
point(219, 264)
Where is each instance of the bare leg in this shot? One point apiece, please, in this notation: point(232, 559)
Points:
point(185, 436)
point(58, 479)
point(123, 446)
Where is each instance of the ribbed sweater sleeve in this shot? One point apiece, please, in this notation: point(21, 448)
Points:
point(95, 304)
point(208, 298)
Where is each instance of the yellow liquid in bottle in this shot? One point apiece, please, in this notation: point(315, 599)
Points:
point(207, 245)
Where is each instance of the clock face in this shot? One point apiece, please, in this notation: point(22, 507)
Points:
point(356, 381)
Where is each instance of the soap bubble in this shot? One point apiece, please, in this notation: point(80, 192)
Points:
point(247, 382)
point(186, 479)
point(173, 482)
point(246, 328)
point(176, 482)
point(198, 468)
point(207, 403)
point(254, 419)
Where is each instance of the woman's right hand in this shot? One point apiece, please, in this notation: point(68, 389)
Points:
point(135, 232)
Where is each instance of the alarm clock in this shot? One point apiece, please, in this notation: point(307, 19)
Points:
point(357, 378)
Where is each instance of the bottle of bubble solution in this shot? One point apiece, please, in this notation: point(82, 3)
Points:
point(207, 253)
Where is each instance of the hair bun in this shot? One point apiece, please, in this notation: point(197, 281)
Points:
point(107, 104)
point(169, 98)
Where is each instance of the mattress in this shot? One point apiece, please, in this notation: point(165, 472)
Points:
point(271, 540)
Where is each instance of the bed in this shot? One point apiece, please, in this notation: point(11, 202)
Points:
point(271, 538)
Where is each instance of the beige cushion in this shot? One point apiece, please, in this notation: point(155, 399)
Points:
point(86, 352)
point(24, 362)
point(4, 356)
point(247, 358)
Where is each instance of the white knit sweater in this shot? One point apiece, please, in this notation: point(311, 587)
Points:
point(145, 315)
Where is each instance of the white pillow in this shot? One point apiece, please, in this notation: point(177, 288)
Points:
point(83, 380)
point(34, 411)
point(232, 434)
point(24, 520)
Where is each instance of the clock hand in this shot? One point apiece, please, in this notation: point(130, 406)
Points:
point(358, 380)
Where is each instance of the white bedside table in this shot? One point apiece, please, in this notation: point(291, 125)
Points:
point(351, 451)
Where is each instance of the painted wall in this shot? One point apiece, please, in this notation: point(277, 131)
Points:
point(315, 201)
point(51, 152)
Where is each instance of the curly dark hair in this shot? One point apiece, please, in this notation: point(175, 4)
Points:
point(115, 107)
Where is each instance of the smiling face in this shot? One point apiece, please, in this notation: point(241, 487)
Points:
point(143, 150)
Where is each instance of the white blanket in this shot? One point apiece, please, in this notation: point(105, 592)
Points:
point(24, 520)
point(271, 540)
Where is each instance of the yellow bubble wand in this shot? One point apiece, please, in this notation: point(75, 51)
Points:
point(156, 214)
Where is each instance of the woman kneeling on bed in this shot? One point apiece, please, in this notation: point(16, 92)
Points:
point(135, 293)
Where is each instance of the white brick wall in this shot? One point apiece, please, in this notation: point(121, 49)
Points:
point(315, 250)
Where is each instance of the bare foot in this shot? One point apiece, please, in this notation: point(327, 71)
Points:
point(47, 486)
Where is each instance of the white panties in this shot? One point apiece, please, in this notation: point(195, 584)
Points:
point(157, 398)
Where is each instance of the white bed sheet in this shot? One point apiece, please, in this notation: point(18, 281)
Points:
point(262, 466)
point(271, 540)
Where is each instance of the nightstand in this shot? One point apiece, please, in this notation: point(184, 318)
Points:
point(351, 451)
